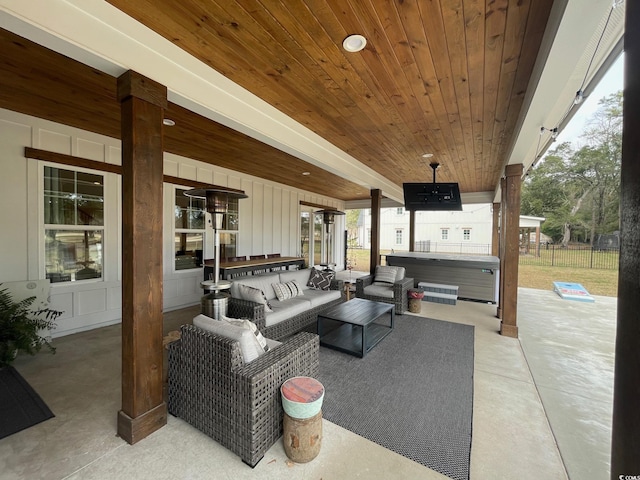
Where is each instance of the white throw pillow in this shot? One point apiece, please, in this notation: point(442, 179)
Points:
point(249, 325)
point(249, 344)
point(254, 295)
point(287, 290)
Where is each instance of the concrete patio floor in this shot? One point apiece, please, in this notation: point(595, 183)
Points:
point(569, 347)
point(552, 384)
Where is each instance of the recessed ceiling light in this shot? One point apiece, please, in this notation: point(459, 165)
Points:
point(354, 43)
point(168, 122)
point(427, 155)
point(306, 173)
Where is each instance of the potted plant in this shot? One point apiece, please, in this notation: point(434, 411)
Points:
point(20, 327)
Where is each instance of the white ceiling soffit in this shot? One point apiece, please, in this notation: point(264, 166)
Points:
point(98, 34)
point(571, 39)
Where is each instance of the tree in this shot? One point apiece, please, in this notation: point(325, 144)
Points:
point(578, 191)
point(352, 227)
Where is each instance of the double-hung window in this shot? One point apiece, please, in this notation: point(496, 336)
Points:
point(73, 225)
point(466, 234)
point(398, 236)
point(444, 234)
point(190, 223)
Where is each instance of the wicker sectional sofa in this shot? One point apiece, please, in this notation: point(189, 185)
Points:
point(291, 315)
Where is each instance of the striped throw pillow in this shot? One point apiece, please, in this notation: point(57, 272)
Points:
point(287, 290)
point(385, 274)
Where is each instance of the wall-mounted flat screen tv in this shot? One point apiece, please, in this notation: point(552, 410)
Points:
point(432, 196)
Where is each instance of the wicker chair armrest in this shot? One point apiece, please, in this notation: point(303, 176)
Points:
point(362, 282)
point(339, 285)
point(239, 308)
point(300, 351)
point(400, 287)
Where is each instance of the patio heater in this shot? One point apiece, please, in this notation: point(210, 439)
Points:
point(215, 303)
point(328, 218)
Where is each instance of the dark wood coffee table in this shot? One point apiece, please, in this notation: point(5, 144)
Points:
point(356, 332)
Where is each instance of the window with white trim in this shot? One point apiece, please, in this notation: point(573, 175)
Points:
point(466, 234)
point(189, 233)
point(398, 236)
point(73, 225)
point(444, 233)
point(400, 211)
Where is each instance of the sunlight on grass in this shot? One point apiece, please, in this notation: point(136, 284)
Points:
point(597, 282)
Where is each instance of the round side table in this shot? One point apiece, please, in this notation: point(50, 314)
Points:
point(415, 299)
point(302, 424)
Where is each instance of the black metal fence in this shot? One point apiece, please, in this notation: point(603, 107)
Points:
point(548, 255)
point(574, 256)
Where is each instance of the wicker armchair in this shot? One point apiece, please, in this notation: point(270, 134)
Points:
point(397, 292)
point(236, 404)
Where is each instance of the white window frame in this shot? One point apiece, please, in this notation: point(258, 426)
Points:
point(177, 231)
point(466, 234)
point(444, 234)
point(44, 227)
point(399, 231)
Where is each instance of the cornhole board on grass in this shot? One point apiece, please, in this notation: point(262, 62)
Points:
point(572, 291)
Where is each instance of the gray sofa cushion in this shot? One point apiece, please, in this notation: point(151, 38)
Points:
point(320, 297)
point(263, 282)
point(287, 309)
point(300, 276)
point(380, 290)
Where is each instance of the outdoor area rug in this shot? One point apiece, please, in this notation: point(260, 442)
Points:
point(413, 393)
point(20, 406)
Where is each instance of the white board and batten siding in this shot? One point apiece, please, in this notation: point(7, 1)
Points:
point(269, 220)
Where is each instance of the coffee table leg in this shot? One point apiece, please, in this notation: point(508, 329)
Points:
point(364, 340)
point(393, 314)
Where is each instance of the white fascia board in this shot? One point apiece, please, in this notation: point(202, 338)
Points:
point(560, 78)
point(96, 32)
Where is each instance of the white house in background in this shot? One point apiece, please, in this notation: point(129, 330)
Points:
point(468, 231)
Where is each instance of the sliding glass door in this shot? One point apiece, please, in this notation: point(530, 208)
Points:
point(311, 236)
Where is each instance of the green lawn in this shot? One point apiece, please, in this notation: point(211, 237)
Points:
point(596, 281)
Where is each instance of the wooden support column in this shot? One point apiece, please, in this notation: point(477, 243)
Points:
point(625, 444)
point(142, 109)
point(495, 231)
point(513, 182)
point(412, 230)
point(538, 241)
point(503, 209)
point(376, 203)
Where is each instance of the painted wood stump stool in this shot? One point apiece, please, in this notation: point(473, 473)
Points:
point(302, 425)
point(415, 299)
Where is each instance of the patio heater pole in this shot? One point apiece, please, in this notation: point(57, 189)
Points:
point(215, 303)
point(328, 218)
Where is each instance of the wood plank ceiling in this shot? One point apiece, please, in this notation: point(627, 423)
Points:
point(445, 77)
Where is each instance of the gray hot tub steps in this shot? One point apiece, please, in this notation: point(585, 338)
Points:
point(439, 293)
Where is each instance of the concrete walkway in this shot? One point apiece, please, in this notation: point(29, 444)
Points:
point(569, 346)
